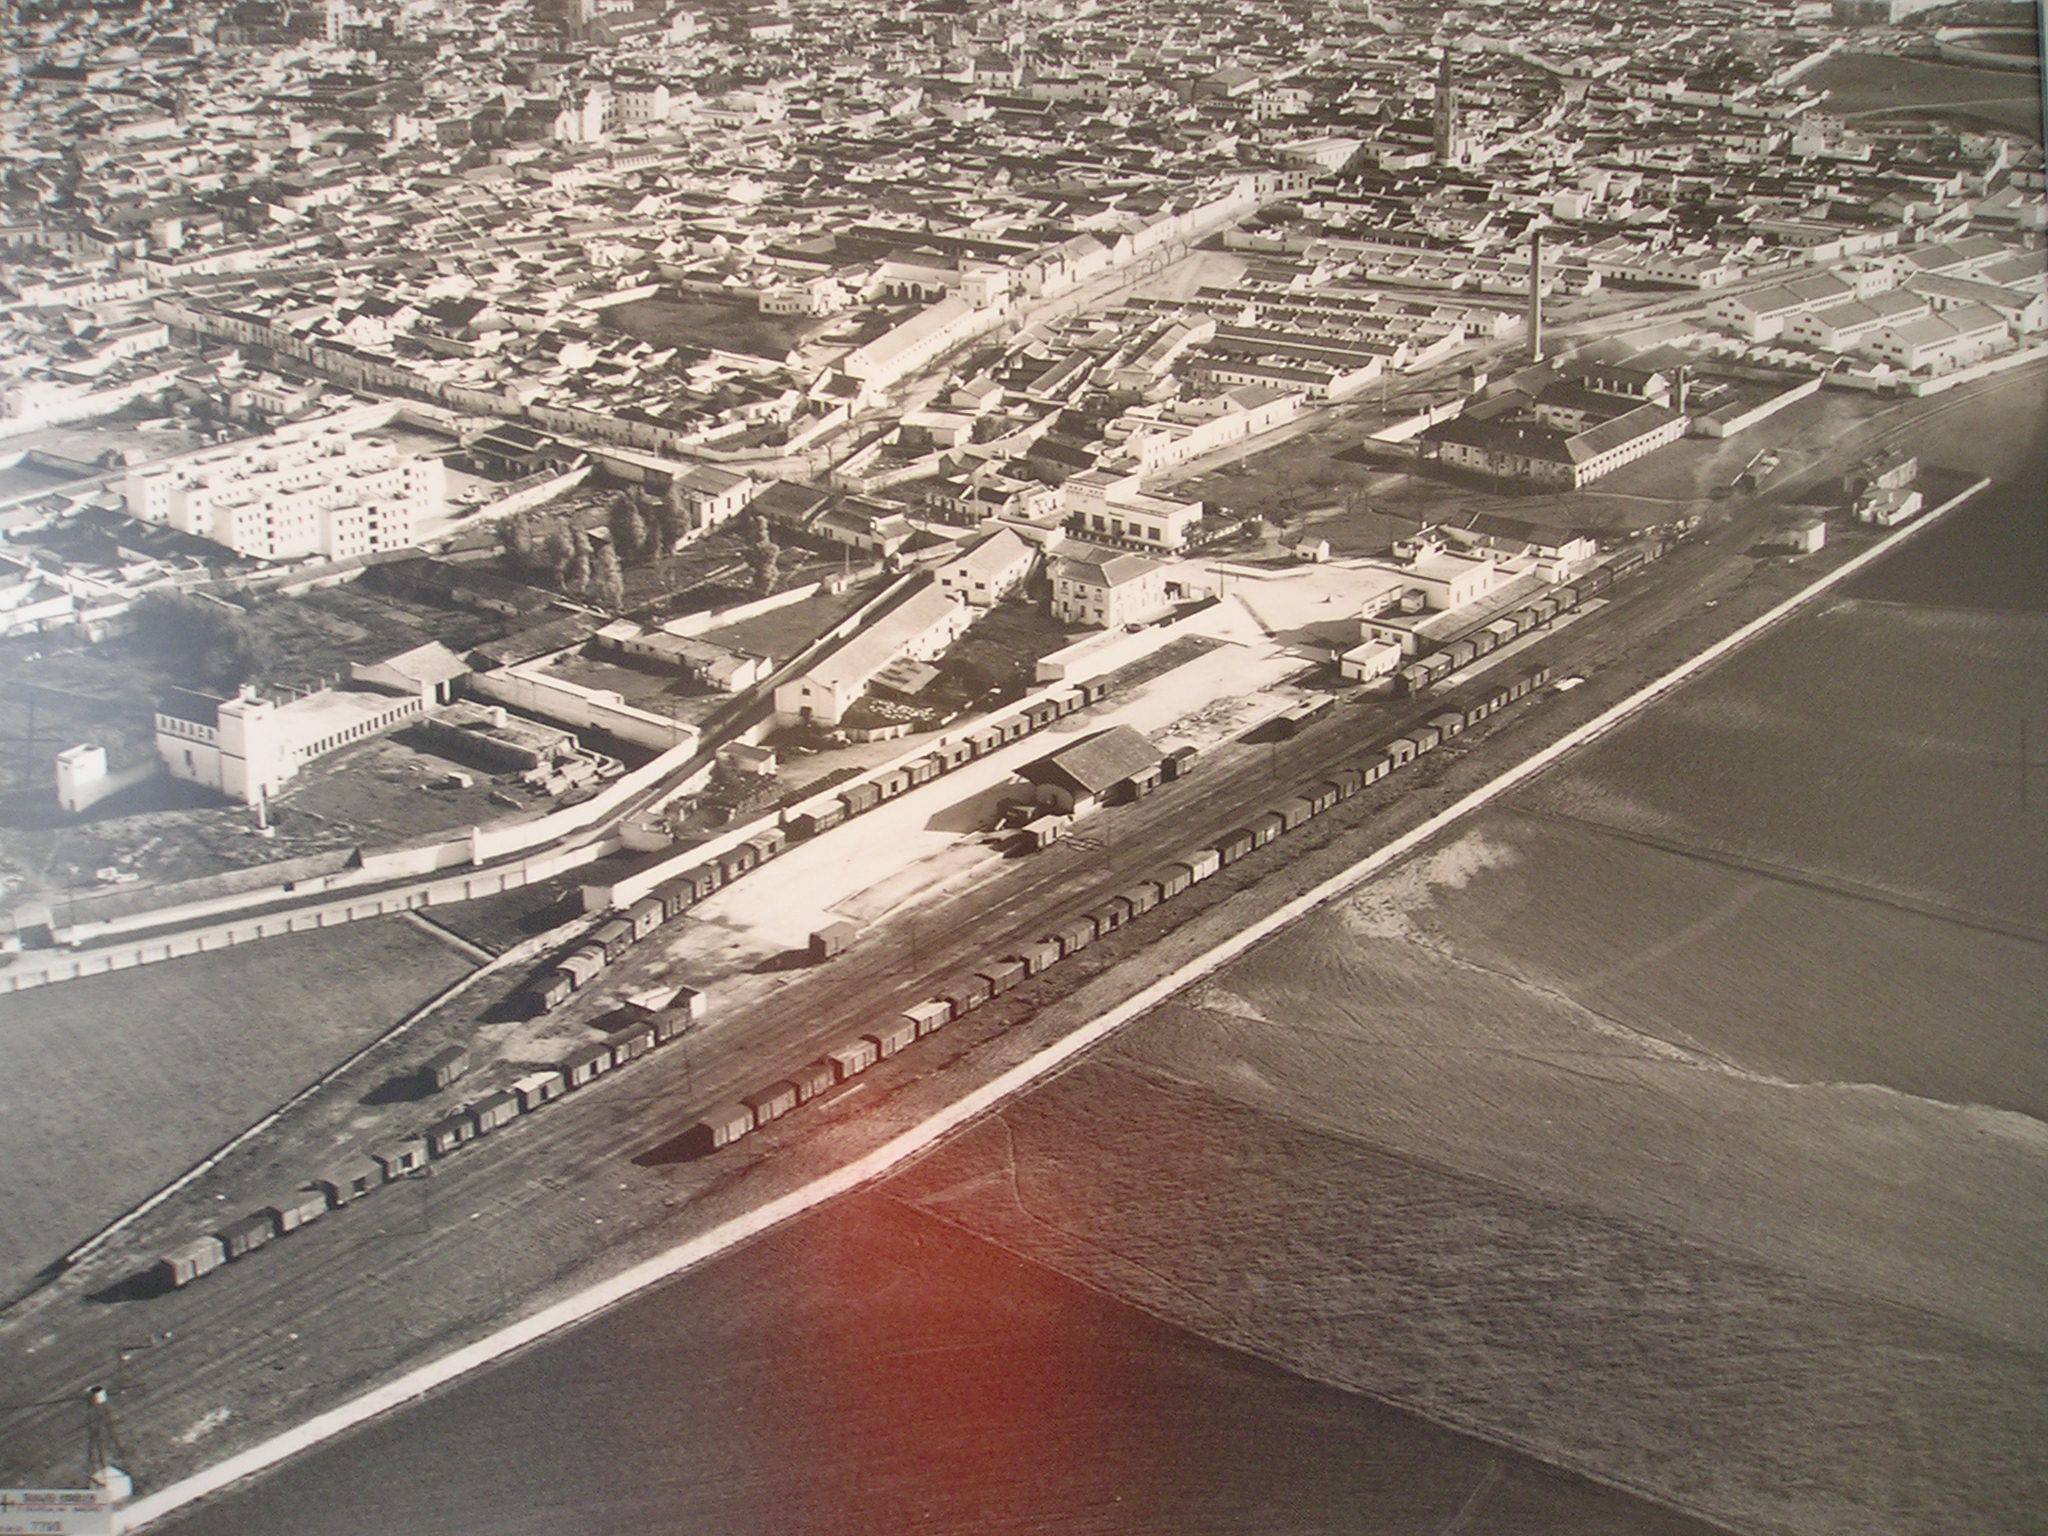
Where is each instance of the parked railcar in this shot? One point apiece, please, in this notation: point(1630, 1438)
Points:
point(965, 993)
point(631, 1041)
point(614, 938)
point(819, 819)
point(538, 1088)
point(720, 1126)
point(584, 962)
point(399, 1158)
point(1321, 796)
point(1142, 897)
point(585, 1063)
point(676, 898)
point(550, 989)
point(451, 1132)
point(891, 1035)
point(246, 1234)
point(853, 1057)
point(353, 1178)
point(1232, 846)
point(494, 1110)
point(1449, 723)
point(1172, 880)
point(1075, 935)
point(645, 915)
point(182, 1265)
point(812, 1079)
point(770, 1103)
point(1004, 975)
point(1204, 862)
point(929, 1016)
point(296, 1210)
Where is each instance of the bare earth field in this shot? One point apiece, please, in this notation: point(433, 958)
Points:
point(881, 1372)
point(1879, 83)
point(1679, 1121)
point(118, 1081)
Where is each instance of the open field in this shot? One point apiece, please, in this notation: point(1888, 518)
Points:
point(880, 1372)
point(1883, 751)
point(690, 320)
point(1874, 83)
point(786, 631)
point(121, 1081)
point(1663, 1161)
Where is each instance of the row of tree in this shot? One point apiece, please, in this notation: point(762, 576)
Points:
point(209, 642)
point(553, 549)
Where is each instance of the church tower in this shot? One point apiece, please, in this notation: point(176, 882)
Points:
point(1450, 144)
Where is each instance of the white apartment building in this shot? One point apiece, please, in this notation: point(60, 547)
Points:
point(328, 492)
point(1108, 592)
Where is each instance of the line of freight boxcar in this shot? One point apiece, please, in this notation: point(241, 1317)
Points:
point(554, 984)
point(636, 1032)
point(723, 1124)
point(1424, 674)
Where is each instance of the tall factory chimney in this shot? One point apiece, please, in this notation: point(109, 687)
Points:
point(1535, 295)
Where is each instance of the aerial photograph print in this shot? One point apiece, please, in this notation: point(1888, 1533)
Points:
point(1023, 768)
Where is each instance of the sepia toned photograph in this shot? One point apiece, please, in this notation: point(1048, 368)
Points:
point(1057, 767)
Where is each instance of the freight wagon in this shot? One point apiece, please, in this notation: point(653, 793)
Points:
point(184, 1264)
point(770, 1103)
point(929, 1016)
point(1075, 936)
point(813, 1079)
point(1232, 846)
point(614, 938)
point(852, 1057)
point(1037, 957)
point(500, 1108)
point(538, 1088)
point(444, 1067)
point(721, 1126)
point(586, 1063)
point(296, 1210)
point(246, 1234)
point(892, 1036)
point(400, 1158)
point(645, 915)
point(1004, 975)
point(450, 1132)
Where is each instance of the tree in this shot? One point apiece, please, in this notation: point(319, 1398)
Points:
point(763, 556)
point(212, 643)
point(575, 574)
point(607, 581)
point(630, 535)
point(674, 518)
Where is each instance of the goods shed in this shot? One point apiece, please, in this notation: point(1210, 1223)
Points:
point(1101, 769)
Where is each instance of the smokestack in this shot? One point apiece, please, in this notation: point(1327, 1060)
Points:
point(1536, 296)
